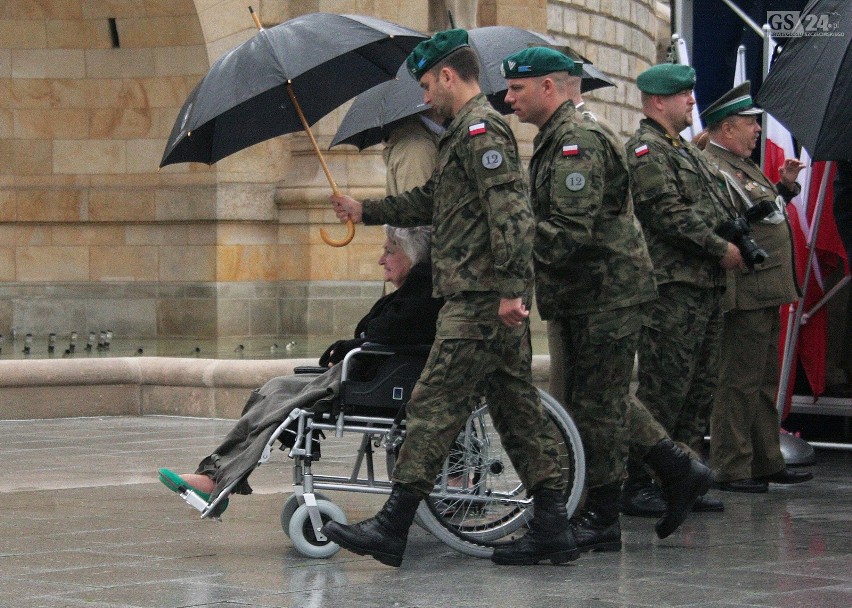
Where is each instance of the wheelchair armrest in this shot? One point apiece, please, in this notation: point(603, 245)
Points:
point(393, 349)
point(310, 369)
point(374, 348)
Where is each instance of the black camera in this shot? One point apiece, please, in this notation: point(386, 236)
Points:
point(738, 231)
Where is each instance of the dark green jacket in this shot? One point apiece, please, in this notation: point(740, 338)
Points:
point(478, 204)
point(590, 255)
point(680, 205)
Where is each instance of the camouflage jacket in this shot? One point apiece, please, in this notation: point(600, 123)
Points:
point(774, 282)
point(590, 254)
point(679, 204)
point(478, 204)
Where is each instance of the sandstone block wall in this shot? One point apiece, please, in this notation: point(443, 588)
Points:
point(94, 236)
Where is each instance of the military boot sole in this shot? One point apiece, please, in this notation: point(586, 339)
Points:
point(339, 534)
point(556, 558)
point(606, 545)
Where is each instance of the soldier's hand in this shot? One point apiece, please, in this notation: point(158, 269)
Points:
point(789, 171)
point(733, 258)
point(512, 311)
point(346, 207)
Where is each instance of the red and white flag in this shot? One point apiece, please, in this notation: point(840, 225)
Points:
point(779, 142)
point(830, 254)
point(692, 131)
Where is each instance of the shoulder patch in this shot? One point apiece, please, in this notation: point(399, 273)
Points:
point(641, 150)
point(477, 129)
point(570, 150)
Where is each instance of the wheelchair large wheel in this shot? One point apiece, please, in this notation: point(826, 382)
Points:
point(302, 533)
point(478, 497)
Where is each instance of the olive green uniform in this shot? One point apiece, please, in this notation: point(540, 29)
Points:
point(593, 277)
point(679, 204)
point(482, 236)
point(744, 428)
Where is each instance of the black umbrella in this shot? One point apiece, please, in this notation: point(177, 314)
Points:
point(374, 113)
point(284, 79)
point(809, 88)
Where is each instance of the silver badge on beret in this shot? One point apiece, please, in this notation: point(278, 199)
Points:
point(492, 159)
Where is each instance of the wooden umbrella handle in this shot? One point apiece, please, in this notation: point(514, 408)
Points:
point(350, 226)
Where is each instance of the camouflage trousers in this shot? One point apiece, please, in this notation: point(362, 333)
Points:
point(643, 430)
point(593, 361)
point(679, 360)
point(474, 354)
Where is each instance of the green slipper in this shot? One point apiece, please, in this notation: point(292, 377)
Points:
point(176, 483)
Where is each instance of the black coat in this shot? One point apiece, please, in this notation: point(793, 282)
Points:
point(405, 316)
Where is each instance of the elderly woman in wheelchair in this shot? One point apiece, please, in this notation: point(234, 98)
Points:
point(404, 316)
point(361, 386)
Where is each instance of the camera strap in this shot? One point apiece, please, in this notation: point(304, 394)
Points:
point(776, 217)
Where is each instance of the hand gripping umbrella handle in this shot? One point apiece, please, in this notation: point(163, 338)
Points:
point(350, 227)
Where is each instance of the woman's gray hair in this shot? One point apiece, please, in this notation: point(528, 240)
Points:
point(415, 242)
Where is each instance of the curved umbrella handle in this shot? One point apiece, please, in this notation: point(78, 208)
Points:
point(350, 226)
point(350, 234)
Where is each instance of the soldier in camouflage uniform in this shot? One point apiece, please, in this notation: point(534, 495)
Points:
point(680, 205)
point(593, 275)
point(478, 205)
point(744, 442)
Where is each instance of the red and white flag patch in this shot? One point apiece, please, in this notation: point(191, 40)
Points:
point(570, 150)
point(477, 129)
point(641, 150)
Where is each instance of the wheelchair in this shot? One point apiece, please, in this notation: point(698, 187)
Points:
point(478, 497)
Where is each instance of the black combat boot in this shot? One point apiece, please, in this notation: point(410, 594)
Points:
point(549, 535)
point(384, 536)
point(683, 480)
point(596, 527)
point(640, 496)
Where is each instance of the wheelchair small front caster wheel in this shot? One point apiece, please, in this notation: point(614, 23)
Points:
point(302, 533)
point(290, 506)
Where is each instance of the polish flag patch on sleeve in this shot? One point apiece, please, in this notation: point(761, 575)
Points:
point(570, 150)
point(641, 150)
point(477, 129)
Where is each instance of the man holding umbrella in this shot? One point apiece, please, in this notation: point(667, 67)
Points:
point(477, 202)
point(744, 444)
point(595, 279)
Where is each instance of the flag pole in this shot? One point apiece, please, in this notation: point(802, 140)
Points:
point(793, 330)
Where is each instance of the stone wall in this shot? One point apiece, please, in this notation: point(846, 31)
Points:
point(93, 236)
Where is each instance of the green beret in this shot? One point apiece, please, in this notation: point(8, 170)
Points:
point(736, 101)
point(538, 61)
point(431, 51)
point(666, 79)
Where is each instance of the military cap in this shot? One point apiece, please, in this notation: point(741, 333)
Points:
point(736, 101)
point(666, 79)
point(538, 61)
point(429, 52)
